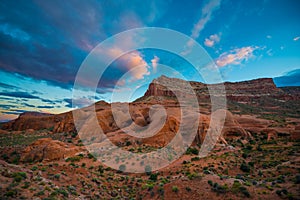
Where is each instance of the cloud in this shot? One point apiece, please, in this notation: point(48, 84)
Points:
point(132, 61)
point(291, 78)
point(28, 105)
point(78, 103)
point(7, 86)
point(136, 61)
point(47, 107)
point(212, 40)
point(270, 52)
point(206, 16)
point(48, 40)
point(235, 56)
point(7, 107)
point(25, 95)
point(296, 38)
point(154, 62)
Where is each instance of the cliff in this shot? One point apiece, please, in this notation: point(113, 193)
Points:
point(237, 91)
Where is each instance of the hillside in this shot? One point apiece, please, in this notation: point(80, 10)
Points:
point(255, 156)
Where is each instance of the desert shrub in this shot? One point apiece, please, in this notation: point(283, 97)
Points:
point(161, 191)
point(245, 167)
point(11, 193)
point(195, 159)
point(188, 189)
point(192, 150)
point(297, 179)
point(175, 189)
point(148, 186)
point(220, 189)
point(73, 159)
point(238, 188)
point(19, 176)
point(259, 148)
point(245, 155)
point(26, 185)
point(153, 177)
point(74, 134)
point(90, 156)
point(148, 169)
point(57, 176)
point(5, 157)
point(244, 191)
point(122, 168)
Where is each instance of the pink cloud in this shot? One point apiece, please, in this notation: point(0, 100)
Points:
point(236, 56)
point(129, 61)
point(212, 40)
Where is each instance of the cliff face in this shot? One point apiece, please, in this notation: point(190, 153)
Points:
point(255, 97)
point(238, 91)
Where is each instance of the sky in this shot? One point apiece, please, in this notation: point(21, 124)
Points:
point(44, 43)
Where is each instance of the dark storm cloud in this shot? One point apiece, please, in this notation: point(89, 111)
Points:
point(292, 78)
point(48, 107)
point(7, 107)
point(48, 40)
point(28, 105)
point(25, 95)
point(7, 86)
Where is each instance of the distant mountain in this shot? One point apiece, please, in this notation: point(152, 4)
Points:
point(292, 78)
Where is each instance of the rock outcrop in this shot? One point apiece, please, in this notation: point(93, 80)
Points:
point(235, 91)
point(47, 149)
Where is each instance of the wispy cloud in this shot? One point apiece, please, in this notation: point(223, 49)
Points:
point(296, 38)
point(212, 40)
point(46, 107)
point(78, 103)
point(236, 56)
point(25, 95)
point(154, 62)
point(206, 16)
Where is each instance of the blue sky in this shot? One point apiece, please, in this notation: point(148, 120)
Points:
point(43, 44)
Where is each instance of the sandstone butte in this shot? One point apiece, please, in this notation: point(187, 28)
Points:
point(239, 122)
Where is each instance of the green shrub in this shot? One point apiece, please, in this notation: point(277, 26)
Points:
point(73, 159)
point(238, 188)
point(297, 179)
point(11, 193)
point(245, 168)
point(19, 176)
point(153, 177)
point(175, 189)
point(192, 150)
point(195, 159)
point(57, 176)
point(220, 189)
